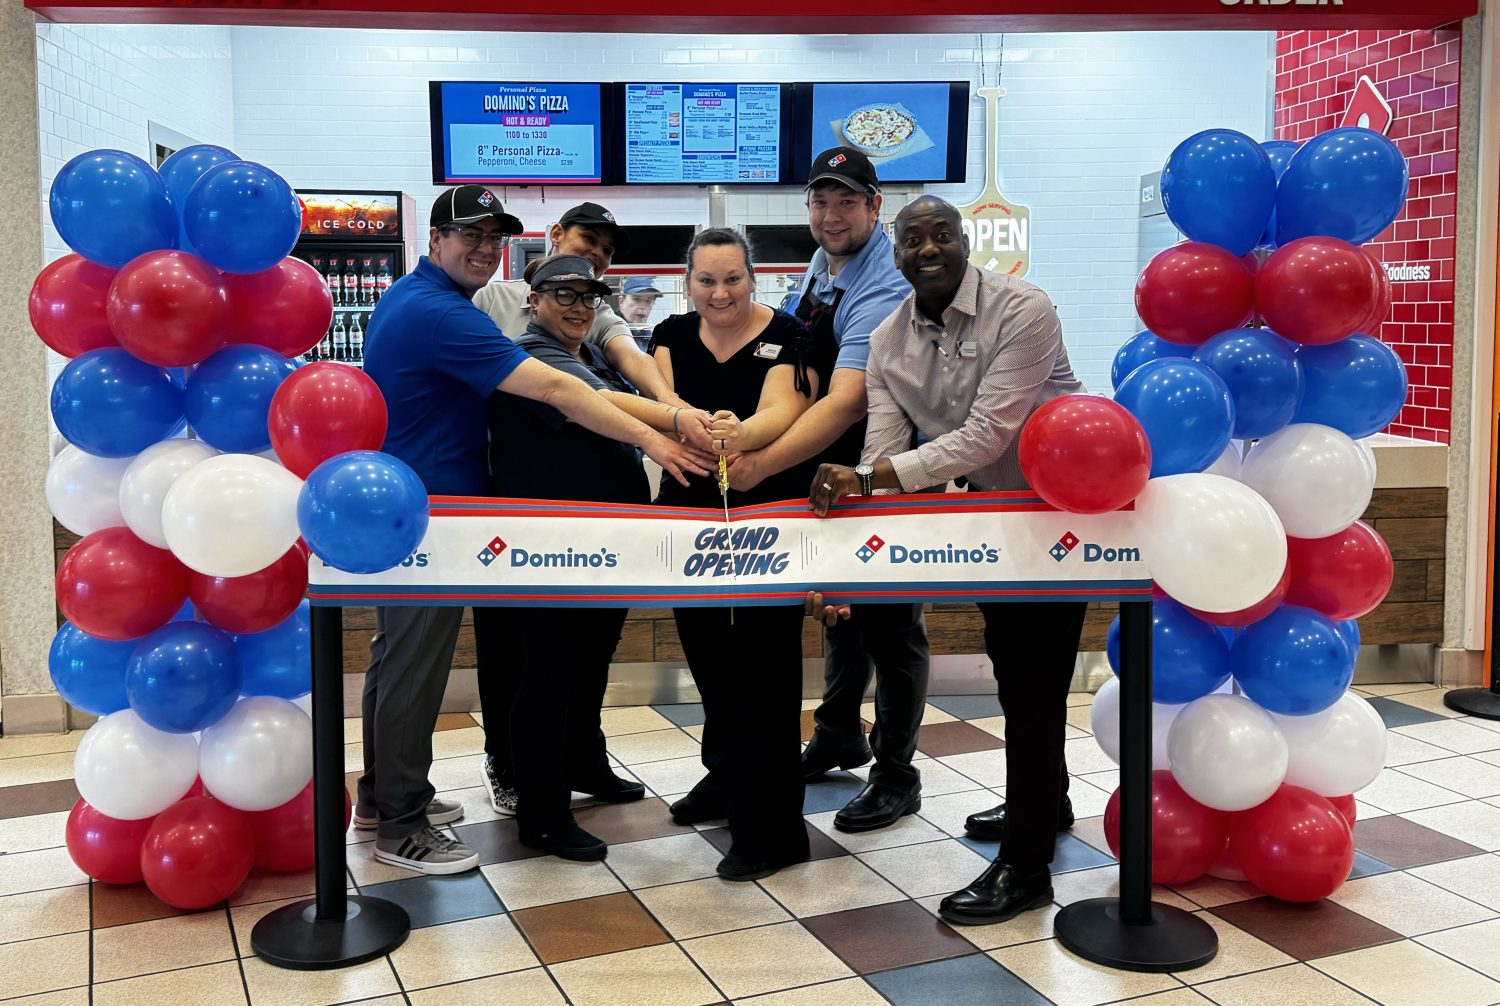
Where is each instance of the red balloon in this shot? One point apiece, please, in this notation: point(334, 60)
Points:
point(1186, 837)
point(254, 602)
point(67, 306)
point(1249, 616)
point(1371, 325)
point(1316, 290)
point(197, 853)
point(322, 410)
point(169, 308)
point(115, 586)
point(284, 835)
point(287, 308)
point(106, 848)
point(1344, 575)
point(1192, 292)
point(1295, 846)
point(1345, 806)
point(1085, 454)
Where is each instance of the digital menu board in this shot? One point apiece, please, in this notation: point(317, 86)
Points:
point(516, 132)
point(704, 134)
point(912, 131)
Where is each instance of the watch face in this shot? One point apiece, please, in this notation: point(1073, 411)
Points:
point(864, 469)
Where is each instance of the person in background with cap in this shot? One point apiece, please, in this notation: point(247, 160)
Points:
point(638, 297)
point(436, 358)
point(851, 286)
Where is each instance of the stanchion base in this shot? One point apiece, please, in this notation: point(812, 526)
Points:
point(1479, 702)
point(1173, 941)
point(293, 936)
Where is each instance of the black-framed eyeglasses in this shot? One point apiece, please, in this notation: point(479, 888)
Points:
point(566, 296)
point(474, 237)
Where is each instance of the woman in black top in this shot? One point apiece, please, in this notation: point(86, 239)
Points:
point(756, 370)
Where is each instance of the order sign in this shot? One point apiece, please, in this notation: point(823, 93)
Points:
point(519, 132)
point(940, 547)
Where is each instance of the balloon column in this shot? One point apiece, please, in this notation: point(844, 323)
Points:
point(1249, 388)
point(199, 766)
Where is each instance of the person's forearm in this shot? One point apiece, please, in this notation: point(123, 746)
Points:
point(767, 425)
point(657, 415)
point(638, 368)
point(813, 433)
point(593, 411)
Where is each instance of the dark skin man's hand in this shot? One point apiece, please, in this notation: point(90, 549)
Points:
point(831, 484)
point(828, 614)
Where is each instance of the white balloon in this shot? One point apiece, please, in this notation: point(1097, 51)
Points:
point(1211, 543)
point(1227, 752)
point(232, 515)
point(1317, 478)
point(1105, 719)
point(1369, 456)
point(304, 702)
point(83, 492)
point(128, 770)
point(1228, 464)
point(144, 488)
point(259, 755)
point(1337, 751)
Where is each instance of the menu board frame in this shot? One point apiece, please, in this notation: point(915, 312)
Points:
point(785, 167)
point(438, 124)
point(810, 139)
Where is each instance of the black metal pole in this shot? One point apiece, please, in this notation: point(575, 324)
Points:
point(1485, 702)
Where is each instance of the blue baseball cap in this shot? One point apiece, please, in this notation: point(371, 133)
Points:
point(640, 284)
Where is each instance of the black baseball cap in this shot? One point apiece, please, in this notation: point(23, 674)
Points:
point(846, 166)
point(594, 215)
point(567, 269)
point(469, 204)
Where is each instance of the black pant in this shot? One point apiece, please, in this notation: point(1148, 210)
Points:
point(564, 668)
point(889, 641)
point(1033, 647)
point(750, 677)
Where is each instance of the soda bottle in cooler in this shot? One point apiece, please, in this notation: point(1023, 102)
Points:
point(383, 277)
point(351, 284)
point(340, 340)
point(356, 342)
point(366, 284)
point(325, 347)
point(335, 283)
point(317, 263)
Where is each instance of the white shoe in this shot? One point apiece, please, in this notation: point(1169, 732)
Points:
point(503, 798)
point(439, 811)
point(427, 851)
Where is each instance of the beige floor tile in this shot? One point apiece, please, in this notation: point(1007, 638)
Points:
point(909, 830)
point(367, 870)
point(1464, 774)
point(547, 880)
point(1364, 812)
point(1295, 985)
point(987, 768)
point(458, 743)
point(38, 768)
point(1176, 997)
point(219, 984)
point(273, 986)
point(1083, 699)
point(1471, 945)
point(695, 732)
point(38, 871)
point(1408, 974)
point(1088, 800)
point(661, 976)
point(632, 720)
point(992, 725)
point(1028, 927)
point(1474, 822)
point(830, 885)
point(522, 988)
point(244, 917)
point(1403, 750)
point(704, 907)
point(653, 745)
point(475, 801)
point(1084, 755)
point(845, 992)
point(948, 812)
point(1479, 721)
point(38, 831)
point(263, 885)
point(1462, 738)
point(939, 780)
point(932, 714)
point(668, 860)
point(934, 868)
point(455, 773)
point(1108, 780)
point(1211, 892)
point(26, 745)
point(458, 951)
point(354, 758)
point(768, 959)
point(1398, 793)
point(1400, 688)
point(1488, 757)
point(1081, 717)
point(1476, 878)
point(1104, 882)
point(1239, 953)
point(64, 997)
point(1071, 981)
point(1430, 699)
point(182, 941)
point(52, 913)
point(1407, 904)
point(44, 965)
point(677, 775)
point(353, 729)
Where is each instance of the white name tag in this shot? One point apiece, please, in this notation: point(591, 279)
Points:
point(968, 350)
point(768, 351)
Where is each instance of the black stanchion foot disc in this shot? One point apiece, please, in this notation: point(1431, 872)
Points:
point(1479, 702)
point(1173, 941)
point(293, 936)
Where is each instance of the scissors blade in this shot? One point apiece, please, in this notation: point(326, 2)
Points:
point(724, 496)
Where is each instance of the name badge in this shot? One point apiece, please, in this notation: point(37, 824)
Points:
point(968, 350)
point(768, 351)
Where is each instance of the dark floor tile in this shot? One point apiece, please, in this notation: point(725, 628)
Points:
point(975, 980)
point(495, 841)
point(618, 823)
point(966, 707)
point(883, 937)
point(831, 792)
point(1305, 932)
point(819, 844)
point(455, 721)
point(684, 714)
point(1368, 866)
point(432, 901)
point(1398, 714)
point(1404, 844)
point(37, 798)
point(572, 929)
point(942, 739)
point(121, 905)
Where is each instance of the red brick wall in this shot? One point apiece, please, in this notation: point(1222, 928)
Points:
point(1417, 72)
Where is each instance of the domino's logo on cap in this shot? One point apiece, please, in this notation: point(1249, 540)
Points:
point(486, 198)
point(836, 160)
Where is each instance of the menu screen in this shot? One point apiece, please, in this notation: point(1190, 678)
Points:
point(702, 134)
point(516, 132)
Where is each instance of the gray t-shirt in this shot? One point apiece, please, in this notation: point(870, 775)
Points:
point(505, 301)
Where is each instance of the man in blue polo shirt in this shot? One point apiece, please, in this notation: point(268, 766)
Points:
point(436, 358)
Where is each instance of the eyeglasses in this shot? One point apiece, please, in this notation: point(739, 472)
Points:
point(474, 237)
point(566, 296)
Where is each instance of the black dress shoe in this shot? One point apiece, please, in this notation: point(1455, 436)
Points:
point(705, 802)
point(876, 807)
point(1001, 892)
point(567, 841)
point(611, 789)
point(738, 868)
point(989, 825)
point(821, 757)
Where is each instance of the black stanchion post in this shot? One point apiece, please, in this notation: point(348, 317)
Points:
point(1132, 932)
point(335, 929)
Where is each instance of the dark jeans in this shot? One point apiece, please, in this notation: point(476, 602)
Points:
point(750, 677)
point(890, 642)
point(1033, 647)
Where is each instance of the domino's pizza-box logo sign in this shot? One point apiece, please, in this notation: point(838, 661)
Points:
point(491, 551)
point(1092, 551)
point(568, 558)
point(1064, 547)
point(873, 544)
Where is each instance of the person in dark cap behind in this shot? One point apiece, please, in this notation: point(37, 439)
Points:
point(436, 358)
point(638, 297)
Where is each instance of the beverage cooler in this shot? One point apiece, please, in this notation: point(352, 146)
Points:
point(360, 242)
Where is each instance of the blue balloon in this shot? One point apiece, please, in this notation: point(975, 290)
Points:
point(1280, 153)
point(1185, 409)
point(89, 672)
point(1356, 385)
point(1189, 659)
point(242, 217)
point(183, 677)
point(1349, 629)
point(1261, 372)
point(1347, 183)
point(110, 206)
point(109, 404)
point(1293, 662)
point(183, 169)
point(1143, 347)
point(1218, 187)
point(228, 397)
point(362, 511)
point(186, 613)
point(278, 661)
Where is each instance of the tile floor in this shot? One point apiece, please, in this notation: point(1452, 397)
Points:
point(856, 925)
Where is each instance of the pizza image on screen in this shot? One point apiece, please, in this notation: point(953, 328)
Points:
point(879, 130)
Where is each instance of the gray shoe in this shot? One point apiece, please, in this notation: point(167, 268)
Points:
point(439, 811)
point(427, 851)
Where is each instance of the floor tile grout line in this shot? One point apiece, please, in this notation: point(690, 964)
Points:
point(239, 960)
point(1440, 887)
point(1450, 957)
point(1351, 988)
point(1308, 964)
point(50, 992)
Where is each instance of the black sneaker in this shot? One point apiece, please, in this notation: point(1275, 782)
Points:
point(567, 841)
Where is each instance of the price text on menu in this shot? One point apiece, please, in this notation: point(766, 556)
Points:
point(702, 133)
point(521, 132)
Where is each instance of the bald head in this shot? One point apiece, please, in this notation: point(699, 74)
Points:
point(925, 206)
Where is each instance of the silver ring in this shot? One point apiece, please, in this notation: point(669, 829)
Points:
point(827, 487)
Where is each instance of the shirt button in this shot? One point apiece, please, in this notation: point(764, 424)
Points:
point(945, 369)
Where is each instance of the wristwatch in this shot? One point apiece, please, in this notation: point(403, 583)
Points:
point(866, 475)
